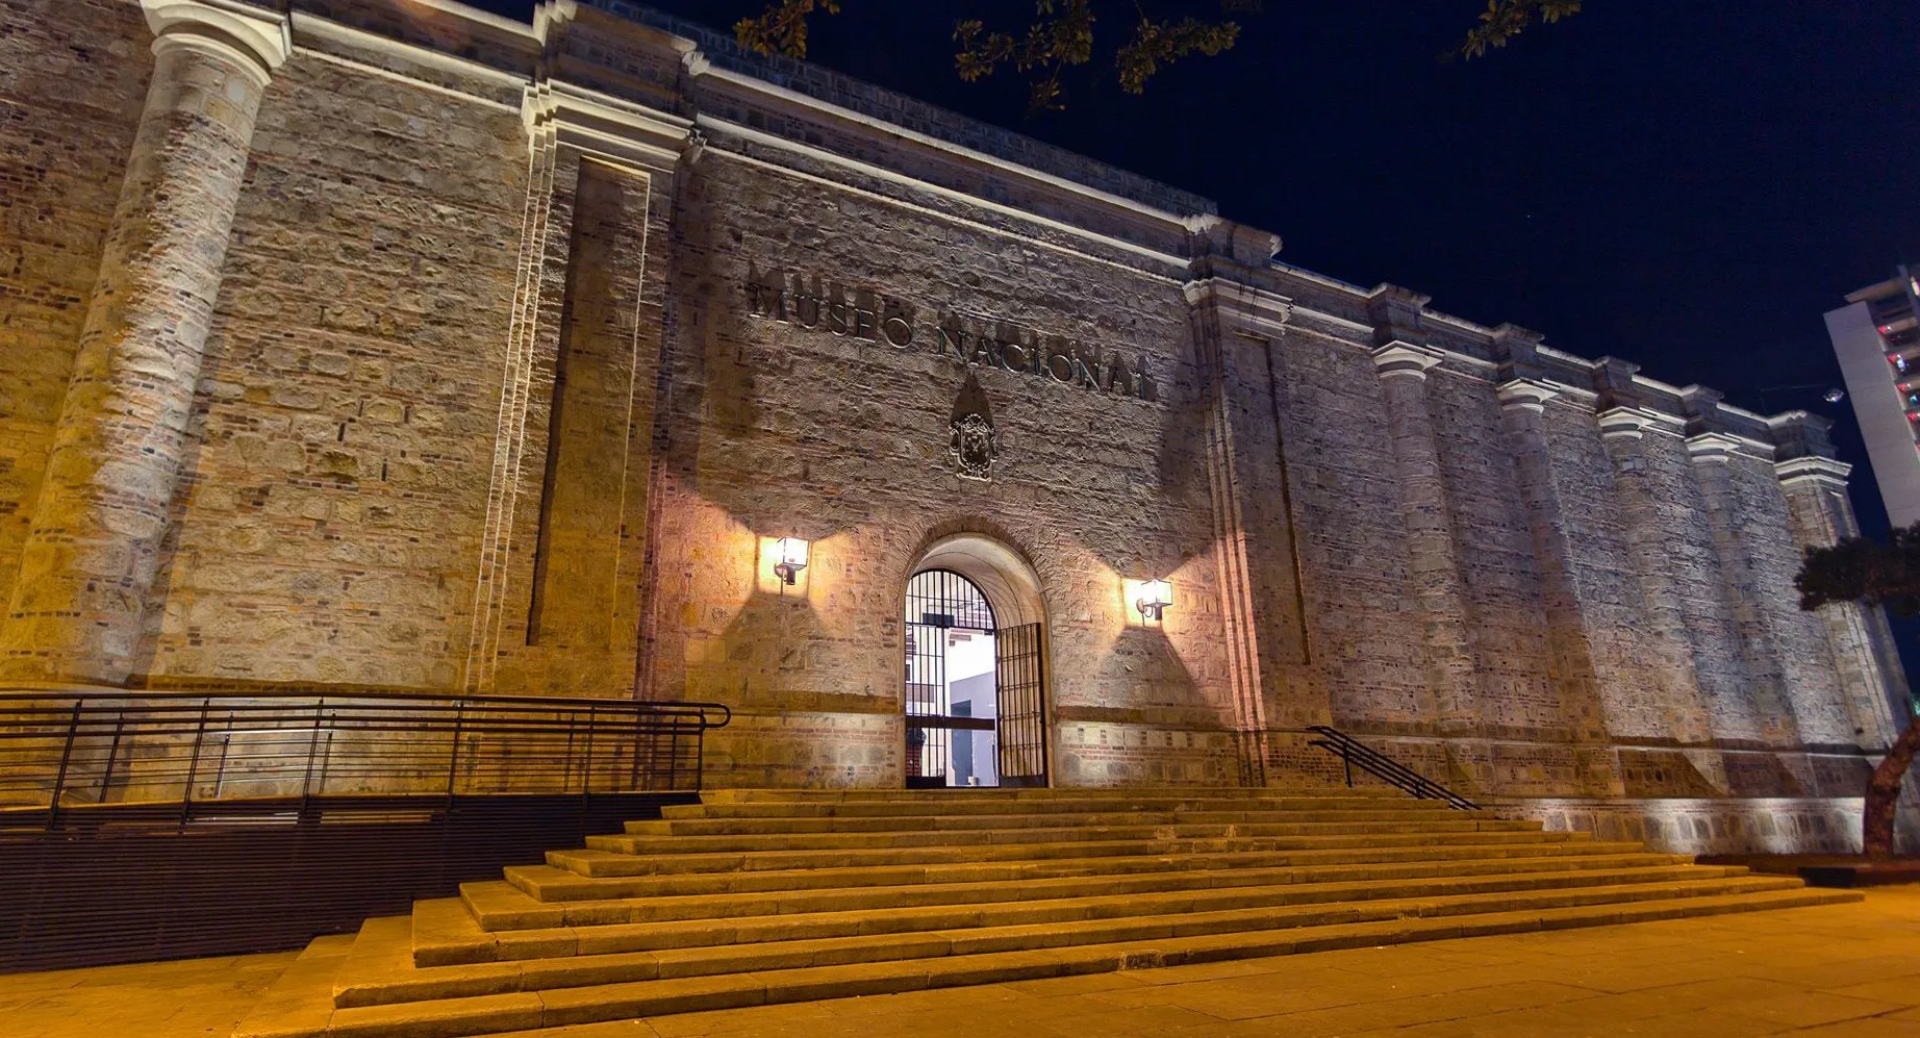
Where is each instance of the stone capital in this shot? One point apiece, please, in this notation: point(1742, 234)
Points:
point(1405, 358)
point(1826, 472)
point(254, 38)
point(608, 127)
point(1526, 393)
point(1712, 446)
point(1250, 310)
point(1625, 422)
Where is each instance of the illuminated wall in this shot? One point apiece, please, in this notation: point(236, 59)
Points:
point(530, 341)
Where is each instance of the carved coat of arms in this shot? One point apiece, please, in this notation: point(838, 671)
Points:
point(972, 446)
point(971, 443)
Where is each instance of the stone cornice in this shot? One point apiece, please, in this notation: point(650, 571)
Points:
point(722, 129)
point(257, 40)
point(1812, 469)
point(1405, 358)
point(699, 67)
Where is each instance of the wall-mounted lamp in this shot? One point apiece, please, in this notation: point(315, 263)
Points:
point(790, 557)
point(1156, 597)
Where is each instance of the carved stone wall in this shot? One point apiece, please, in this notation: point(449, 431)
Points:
point(70, 99)
point(775, 429)
point(529, 341)
point(346, 412)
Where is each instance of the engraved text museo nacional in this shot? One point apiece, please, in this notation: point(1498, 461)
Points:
point(817, 305)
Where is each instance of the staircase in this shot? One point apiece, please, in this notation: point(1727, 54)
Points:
point(755, 897)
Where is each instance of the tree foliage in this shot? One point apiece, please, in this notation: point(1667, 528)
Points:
point(1862, 570)
point(1061, 37)
point(782, 28)
point(1505, 19)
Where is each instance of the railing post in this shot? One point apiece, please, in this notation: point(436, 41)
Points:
point(1346, 758)
point(673, 757)
point(313, 744)
point(633, 771)
point(226, 750)
point(113, 754)
point(586, 772)
point(453, 759)
point(193, 765)
point(60, 776)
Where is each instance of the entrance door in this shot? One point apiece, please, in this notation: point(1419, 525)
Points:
point(1022, 707)
point(951, 697)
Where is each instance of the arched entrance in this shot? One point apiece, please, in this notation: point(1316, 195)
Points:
point(975, 693)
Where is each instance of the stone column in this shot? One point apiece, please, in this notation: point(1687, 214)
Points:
point(1712, 457)
point(1523, 404)
point(1439, 590)
point(1670, 646)
point(1870, 675)
point(94, 544)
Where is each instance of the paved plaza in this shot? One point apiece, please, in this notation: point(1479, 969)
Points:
point(1836, 971)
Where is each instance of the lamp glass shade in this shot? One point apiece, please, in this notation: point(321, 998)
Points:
point(1156, 593)
point(793, 552)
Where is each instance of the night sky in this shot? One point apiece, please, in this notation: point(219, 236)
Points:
point(1685, 185)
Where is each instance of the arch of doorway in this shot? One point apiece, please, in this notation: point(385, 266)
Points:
point(1001, 572)
point(1011, 586)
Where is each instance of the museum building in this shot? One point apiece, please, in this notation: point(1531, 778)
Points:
point(364, 345)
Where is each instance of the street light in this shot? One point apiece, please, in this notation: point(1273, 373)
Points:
point(790, 557)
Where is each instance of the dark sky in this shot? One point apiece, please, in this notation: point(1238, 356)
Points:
point(1688, 185)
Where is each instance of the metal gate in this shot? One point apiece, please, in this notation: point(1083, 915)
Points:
point(1020, 685)
point(938, 601)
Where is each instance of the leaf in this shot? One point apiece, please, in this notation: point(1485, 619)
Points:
point(1505, 19)
point(1860, 570)
point(782, 28)
point(1157, 43)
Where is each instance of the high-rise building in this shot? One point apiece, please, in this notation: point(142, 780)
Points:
point(1877, 338)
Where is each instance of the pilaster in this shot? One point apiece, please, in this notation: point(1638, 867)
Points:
point(1269, 651)
point(1871, 678)
point(575, 134)
point(1575, 671)
point(1672, 645)
point(124, 435)
point(1433, 559)
point(1713, 455)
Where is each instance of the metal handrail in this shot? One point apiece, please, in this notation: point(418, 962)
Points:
point(1353, 752)
point(59, 754)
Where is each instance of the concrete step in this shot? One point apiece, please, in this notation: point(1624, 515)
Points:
point(1056, 833)
point(444, 933)
point(581, 879)
point(895, 822)
point(615, 859)
point(379, 970)
point(762, 796)
point(288, 1011)
point(962, 804)
point(761, 895)
point(499, 906)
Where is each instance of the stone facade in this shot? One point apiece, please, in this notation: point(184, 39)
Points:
point(390, 345)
